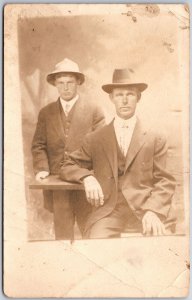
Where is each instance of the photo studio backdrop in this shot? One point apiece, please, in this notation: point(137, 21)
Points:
point(150, 41)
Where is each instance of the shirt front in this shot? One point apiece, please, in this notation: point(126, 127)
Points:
point(67, 105)
point(124, 131)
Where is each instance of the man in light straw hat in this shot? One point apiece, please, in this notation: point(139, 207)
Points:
point(123, 168)
point(60, 129)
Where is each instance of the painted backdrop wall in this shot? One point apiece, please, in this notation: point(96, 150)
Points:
point(150, 42)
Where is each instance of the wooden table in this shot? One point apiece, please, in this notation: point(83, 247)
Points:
point(53, 182)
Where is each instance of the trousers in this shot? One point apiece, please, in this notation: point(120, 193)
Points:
point(114, 224)
point(68, 207)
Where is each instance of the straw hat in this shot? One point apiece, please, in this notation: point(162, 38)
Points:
point(66, 66)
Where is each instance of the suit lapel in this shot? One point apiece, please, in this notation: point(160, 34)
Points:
point(56, 119)
point(137, 141)
point(77, 116)
point(110, 147)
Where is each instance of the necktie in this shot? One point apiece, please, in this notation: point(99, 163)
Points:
point(123, 139)
point(67, 107)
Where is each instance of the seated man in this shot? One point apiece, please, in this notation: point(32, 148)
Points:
point(123, 168)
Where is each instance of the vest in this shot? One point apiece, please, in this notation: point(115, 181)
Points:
point(121, 159)
point(121, 166)
point(66, 122)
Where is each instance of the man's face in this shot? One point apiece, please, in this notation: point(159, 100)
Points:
point(125, 101)
point(66, 85)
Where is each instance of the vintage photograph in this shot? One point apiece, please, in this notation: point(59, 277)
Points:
point(102, 128)
point(130, 164)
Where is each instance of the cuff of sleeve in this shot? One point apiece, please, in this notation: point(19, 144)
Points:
point(157, 206)
point(91, 173)
point(160, 216)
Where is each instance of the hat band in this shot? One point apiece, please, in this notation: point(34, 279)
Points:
point(122, 80)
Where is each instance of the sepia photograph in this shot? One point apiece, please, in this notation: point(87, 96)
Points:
point(96, 150)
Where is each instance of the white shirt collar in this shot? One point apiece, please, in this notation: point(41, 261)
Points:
point(71, 102)
point(130, 123)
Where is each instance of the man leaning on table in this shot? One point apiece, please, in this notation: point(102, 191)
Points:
point(123, 169)
point(60, 130)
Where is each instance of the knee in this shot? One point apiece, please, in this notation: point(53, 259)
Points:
point(97, 232)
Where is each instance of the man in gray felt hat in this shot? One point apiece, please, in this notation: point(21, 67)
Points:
point(60, 130)
point(123, 169)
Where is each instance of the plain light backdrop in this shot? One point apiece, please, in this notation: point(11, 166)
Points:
point(150, 42)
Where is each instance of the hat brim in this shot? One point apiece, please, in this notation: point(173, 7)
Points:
point(108, 88)
point(51, 76)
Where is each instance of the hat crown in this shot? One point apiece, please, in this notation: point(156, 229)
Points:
point(124, 78)
point(67, 65)
point(122, 75)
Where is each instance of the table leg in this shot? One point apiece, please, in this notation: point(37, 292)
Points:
point(63, 215)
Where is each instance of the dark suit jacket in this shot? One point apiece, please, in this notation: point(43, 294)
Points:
point(49, 147)
point(146, 186)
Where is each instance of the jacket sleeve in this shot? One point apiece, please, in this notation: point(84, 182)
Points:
point(79, 163)
point(39, 146)
point(163, 182)
point(98, 118)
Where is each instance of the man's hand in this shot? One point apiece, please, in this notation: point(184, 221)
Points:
point(93, 191)
point(41, 175)
point(152, 225)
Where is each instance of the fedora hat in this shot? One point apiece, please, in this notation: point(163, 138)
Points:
point(124, 78)
point(66, 66)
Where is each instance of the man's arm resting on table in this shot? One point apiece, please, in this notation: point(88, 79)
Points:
point(78, 168)
point(78, 164)
point(73, 173)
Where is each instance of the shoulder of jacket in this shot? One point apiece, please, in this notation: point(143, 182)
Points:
point(155, 133)
point(48, 107)
point(95, 135)
point(158, 135)
point(90, 104)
